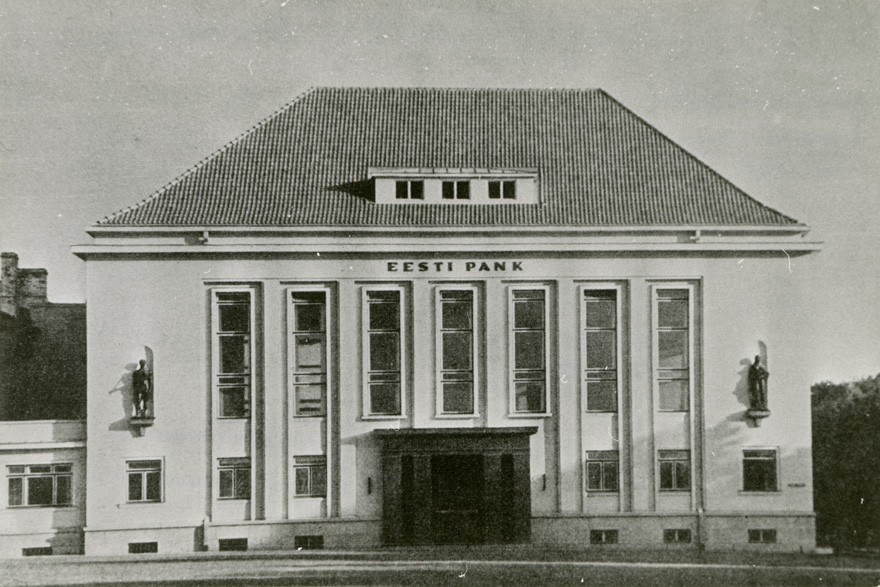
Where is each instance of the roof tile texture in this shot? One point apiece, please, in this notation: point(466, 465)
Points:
point(599, 164)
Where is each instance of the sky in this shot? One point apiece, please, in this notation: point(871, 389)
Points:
point(104, 102)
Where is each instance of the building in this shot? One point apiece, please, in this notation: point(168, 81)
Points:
point(414, 316)
point(42, 411)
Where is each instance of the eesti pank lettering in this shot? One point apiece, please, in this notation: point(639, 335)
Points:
point(449, 266)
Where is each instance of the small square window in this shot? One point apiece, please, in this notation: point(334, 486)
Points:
point(759, 470)
point(456, 190)
point(762, 536)
point(235, 478)
point(230, 544)
point(308, 542)
point(310, 476)
point(603, 536)
point(675, 470)
point(602, 471)
point(677, 536)
point(145, 481)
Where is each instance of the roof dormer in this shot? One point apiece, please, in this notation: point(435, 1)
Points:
point(449, 186)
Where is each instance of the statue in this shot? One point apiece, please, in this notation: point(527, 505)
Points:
point(142, 385)
point(758, 385)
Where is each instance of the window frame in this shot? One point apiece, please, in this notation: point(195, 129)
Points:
point(762, 535)
point(602, 462)
point(216, 375)
point(601, 537)
point(129, 471)
point(583, 292)
point(456, 189)
point(403, 327)
point(774, 459)
point(657, 372)
point(236, 465)
point(52, 474)
point(292, 374)
point(310, 463)
point(504, 187)
point(511, 350)
point(438, 349)
point(409, 189)
point(676, 488)
point(677, 536)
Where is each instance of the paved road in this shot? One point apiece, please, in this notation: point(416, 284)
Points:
point(266, 572)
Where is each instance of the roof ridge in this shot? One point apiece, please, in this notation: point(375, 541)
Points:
point(696, 159)
point(463, 88)
point(192, 169)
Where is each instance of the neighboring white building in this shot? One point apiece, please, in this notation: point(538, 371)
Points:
point(408, 316)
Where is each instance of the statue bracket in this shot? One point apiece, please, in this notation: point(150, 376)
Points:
point(757, 414)
point(141, 422)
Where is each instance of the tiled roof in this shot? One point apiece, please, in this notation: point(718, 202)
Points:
point(306, 165)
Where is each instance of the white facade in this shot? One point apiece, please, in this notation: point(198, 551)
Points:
point(356, 343)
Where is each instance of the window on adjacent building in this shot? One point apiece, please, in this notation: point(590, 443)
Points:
point(759, 470)
point(603, 536)
point(602, 470)
point(410, 189)
point(456, 350)
point(308, 352)
point(235, 478)
point(383, 351)
point(600, 349)
point(233, 326)
point(675, 470)
point(40, 485)
point(456, 190)
point(310, 476)
point(145, 480)
point(505, 190)
point(677, 536)
point(528, 342)
point(762, 536)
point(673, 328)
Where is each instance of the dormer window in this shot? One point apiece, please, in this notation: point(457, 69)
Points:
point(454, 186)
point(456, 190)
point(502, 190)
point(410, 190)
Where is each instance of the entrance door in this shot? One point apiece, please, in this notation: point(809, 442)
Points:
point(457, 511)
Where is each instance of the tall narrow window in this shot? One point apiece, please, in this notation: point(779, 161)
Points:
point(235, 478)
point(308, 344)
point(673, 349)
point(456, 348)
point(383, 352)
point(600, 350)
point(602, 470)
point(759, 470)
point(145, 480)
point(232, 339)
point(675, 470)
point(40, 485)
point(528, 310)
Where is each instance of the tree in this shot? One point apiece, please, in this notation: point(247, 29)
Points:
point(846, 462)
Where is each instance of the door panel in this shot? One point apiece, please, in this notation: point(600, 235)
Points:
point(457, 508)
